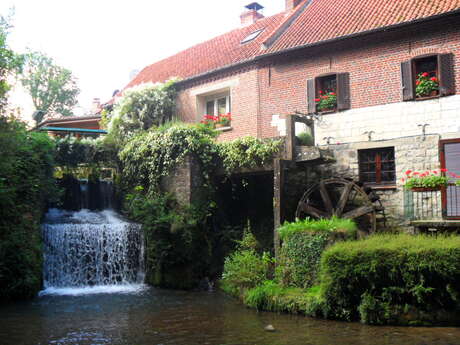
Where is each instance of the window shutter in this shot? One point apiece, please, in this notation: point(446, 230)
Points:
point(446, 74)
point(343, 91)
point(407, 81)
point(311, 95)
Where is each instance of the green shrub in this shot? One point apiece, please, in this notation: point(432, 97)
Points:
point(142, 107)
point(26, 183)
point(305, 139)
point(176, 237)
point(393, 279)
point(247, 152)
point(245, 268)
point(303, 243)
point(333, 224)
point(270, 296)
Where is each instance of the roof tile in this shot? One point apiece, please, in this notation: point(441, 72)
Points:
point(321, 20)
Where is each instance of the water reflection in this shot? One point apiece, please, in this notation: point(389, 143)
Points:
point(152, 316)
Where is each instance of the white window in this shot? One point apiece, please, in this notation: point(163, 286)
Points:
point(217, 105)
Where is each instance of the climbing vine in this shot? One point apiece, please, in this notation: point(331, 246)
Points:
point(247, 152)
point(141, 108)
point(151, 155)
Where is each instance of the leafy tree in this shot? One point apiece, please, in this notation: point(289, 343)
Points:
point(10, 62)
point(53, 88)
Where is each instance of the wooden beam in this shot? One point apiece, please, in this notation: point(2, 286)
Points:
point(278, 200)
point(290, 138)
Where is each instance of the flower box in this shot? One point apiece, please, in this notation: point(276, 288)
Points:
point(425, 189)
point(426, 87)
point(428, 181)
point(326, 102)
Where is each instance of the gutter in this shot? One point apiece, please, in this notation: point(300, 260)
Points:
point(80, 130)
point(320, 43)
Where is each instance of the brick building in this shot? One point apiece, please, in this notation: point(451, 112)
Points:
point(370, 55)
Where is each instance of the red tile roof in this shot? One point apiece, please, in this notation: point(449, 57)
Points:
point(319, 20)
point(221, 51)
point(325, 19)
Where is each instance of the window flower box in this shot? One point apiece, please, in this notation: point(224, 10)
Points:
point(426, 86)
point(430, 180)
point(223, 120)
point(326, 102)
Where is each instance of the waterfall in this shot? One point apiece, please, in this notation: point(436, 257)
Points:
point(84, 249)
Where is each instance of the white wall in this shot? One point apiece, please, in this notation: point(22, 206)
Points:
point(391, 121)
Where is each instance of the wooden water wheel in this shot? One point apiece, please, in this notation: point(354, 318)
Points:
point(342, 198)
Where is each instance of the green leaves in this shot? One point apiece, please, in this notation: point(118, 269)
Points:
point(386, 274)
point(53, 88)
point(10, 62)
point(143, 107)
point(247, 152)
point(26, 183)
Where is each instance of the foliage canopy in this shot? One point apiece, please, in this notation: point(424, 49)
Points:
point(10, 62)
point(142, 107)
point(53, 88)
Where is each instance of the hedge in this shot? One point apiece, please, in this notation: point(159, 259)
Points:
point(303, 243)
point(393, 279)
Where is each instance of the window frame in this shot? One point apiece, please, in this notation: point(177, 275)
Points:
point(445, 71)
point(215, 99)
point(378, 166)
point(342, 90)
point(413, 62)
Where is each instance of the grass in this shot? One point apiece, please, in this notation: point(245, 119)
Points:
point(402, 242)
point(310, 225)
point(270, 296)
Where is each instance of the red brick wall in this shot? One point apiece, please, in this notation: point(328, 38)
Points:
point(373, 64)
point(279, 86)
point(244, 102)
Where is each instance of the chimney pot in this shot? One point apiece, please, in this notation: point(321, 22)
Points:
point(290, 4)
point(251, 14)
point(96, 106)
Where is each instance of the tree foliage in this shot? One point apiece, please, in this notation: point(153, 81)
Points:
point(142, 107)
point(26, 182)
point(10, 62)
point(53, 88)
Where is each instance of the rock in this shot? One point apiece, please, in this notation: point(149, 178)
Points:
point(269, 328)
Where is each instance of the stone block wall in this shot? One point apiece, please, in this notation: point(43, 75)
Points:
point(184, 181)
point(418, 153)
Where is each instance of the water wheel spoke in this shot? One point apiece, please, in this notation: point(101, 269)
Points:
point(358, 212)
point(326, 199)
point(343, 199)
point(313, 211)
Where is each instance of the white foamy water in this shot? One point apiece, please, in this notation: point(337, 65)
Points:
point(100, 289)
point(89, 252)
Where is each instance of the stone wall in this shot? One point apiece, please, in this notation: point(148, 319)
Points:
point(418, 153)
point(184, 181)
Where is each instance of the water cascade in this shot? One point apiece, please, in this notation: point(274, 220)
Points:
point(91, 250)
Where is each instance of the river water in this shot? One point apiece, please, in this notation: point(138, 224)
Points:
point(139, 315)
point(93, 274)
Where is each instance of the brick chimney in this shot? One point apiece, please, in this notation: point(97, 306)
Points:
point(252, 14)
point(290, 4)
point(96, 106)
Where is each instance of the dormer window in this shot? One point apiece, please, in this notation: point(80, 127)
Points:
point(252, 36)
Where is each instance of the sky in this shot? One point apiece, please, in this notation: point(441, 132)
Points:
point(103, 42)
